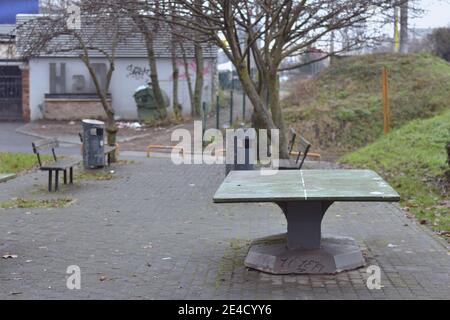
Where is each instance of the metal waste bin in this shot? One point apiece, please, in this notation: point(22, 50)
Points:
point(93, 143)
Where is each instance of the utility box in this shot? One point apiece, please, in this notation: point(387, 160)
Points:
point(93, 143)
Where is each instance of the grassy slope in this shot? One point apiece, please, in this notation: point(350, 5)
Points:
point(341, 109)
point(411, 159)
point(18, 162)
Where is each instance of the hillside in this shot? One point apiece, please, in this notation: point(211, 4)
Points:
point(413, 160)
point(341, 108)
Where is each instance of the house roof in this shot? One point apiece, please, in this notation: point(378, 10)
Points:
point(98, 35)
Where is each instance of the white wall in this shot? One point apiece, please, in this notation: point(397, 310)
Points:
point(123, 84)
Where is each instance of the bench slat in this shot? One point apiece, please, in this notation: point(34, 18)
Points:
point(60, 165)
point(45, 144)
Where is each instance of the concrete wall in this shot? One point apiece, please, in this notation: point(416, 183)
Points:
point(129, 74)
point(7, 51)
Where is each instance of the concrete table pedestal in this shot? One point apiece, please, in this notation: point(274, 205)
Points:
point(303, 250)
point(335, 254)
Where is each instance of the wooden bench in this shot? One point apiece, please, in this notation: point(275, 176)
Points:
point(56, 165)
point(108, 151)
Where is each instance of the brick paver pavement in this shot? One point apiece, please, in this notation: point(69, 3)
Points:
point(154, 233)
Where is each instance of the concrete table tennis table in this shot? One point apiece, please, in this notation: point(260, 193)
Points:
point(304, 196)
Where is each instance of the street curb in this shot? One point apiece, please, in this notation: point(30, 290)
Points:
point(7, 176)
point(23, 130)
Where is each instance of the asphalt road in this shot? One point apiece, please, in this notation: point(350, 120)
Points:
point(12, 141)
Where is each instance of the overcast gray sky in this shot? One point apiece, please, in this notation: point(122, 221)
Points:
point(437, 14)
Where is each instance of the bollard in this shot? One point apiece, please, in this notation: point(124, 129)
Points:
point(235, 165)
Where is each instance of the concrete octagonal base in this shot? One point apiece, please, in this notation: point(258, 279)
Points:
point(335, 254)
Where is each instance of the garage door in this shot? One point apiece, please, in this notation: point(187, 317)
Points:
point(10, 93)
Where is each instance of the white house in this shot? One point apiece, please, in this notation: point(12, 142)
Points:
point(61, 88)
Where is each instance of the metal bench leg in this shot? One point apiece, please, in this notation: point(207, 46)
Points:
point(50, 180)
point(71, 175)
point(65, 176)
point(56, 179)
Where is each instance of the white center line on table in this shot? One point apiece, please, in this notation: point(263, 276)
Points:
point(304, 186)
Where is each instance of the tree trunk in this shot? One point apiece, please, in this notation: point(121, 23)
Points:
point(159, 100)
point(111, 127)
point(198, 91)
point(277, 116)
point(448, 154)
point(188, 80)
point(404, 17)
point(396, 33)
point(175, 74)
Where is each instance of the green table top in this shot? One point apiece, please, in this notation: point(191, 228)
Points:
point(305, 185)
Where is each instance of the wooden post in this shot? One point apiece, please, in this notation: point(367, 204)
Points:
point(385, 92)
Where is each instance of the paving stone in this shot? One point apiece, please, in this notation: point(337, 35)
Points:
point(197, 247)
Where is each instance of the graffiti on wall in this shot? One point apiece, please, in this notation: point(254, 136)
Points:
point(138, 72)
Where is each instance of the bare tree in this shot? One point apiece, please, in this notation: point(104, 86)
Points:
point(399, 13)
point(142, 12)
point(199, 65)
point(175, 43)
point(51, 34)
point(404, 32)
point(271, 31)
point(177, 109)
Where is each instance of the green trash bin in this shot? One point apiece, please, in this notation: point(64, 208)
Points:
point(145, 102)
